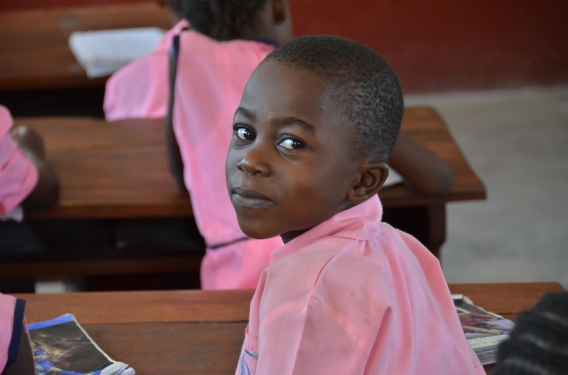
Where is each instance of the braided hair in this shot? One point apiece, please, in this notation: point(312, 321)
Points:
point(222, 19)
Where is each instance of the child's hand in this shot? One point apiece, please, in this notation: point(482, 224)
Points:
point(29, 141)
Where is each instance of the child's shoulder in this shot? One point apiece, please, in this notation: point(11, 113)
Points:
point(196, 40)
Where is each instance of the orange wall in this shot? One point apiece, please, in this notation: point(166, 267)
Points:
point(441, 45)
point(438, 45)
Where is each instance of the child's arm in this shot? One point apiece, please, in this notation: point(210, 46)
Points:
point(24, 364)
point(421, 168)
point(46, 191)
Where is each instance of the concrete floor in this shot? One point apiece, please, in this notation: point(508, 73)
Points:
point(517, 142)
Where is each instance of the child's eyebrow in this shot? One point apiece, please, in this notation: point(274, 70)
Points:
point(245, 112)
point(282, 121)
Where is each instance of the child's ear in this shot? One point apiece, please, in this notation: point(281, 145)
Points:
point(279, 11)
point(373, 176)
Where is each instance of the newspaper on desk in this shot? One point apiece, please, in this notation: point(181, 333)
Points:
point(483, 330)
point(103, 52)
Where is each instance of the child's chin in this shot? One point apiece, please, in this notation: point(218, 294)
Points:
point(260, 233)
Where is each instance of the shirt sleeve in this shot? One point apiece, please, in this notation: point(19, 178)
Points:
point(334, 332)
point(18, 175)
point(11, 324)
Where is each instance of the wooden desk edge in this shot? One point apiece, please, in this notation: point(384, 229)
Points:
point(232, 305)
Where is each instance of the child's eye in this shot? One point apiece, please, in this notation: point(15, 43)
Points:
point(291, 144)
point(244, 134)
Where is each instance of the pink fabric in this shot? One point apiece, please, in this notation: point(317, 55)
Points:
point(355, 296)
point(7, 306)
point(210, 81)
point(18, 175)
point(140, 89)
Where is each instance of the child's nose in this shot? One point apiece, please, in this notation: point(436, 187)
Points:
point(253, 163)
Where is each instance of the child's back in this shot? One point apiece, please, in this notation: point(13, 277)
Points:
point(346, 294)
point(227, 40)
point(210, 80)
point(215, 61)
point(140, 89)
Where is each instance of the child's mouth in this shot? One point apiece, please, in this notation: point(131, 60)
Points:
point(248, 198)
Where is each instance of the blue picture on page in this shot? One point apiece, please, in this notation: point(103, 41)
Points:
point(62, 347)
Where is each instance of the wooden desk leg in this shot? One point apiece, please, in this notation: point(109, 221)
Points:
point(435, 235)
point(426, 223)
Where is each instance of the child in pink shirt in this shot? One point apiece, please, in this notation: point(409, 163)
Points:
point(25, 178)
point(15, 350)
point(347, 293)
point(140, 89)
point(216, 58)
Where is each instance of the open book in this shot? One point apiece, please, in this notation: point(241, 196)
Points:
point(61, 346)
point(483, 330)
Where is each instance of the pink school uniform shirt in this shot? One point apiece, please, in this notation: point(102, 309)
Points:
point(210, 81)
point(11, 324)
point(18, 175)
point(355, 296)
point(140, 89)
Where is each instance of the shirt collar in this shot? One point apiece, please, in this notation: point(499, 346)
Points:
point(166, 41)
point(359, 223)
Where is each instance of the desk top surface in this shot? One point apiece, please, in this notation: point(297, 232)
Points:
point(179, 332)
point(119, 170)
point(34, 48)
point(506, 299)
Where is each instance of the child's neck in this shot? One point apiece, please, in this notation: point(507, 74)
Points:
point(289, 236)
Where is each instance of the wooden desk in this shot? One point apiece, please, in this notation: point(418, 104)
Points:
point(34, 49)
point(185, 332)
point(109, 170)
point(39, 75)
point(119, 170)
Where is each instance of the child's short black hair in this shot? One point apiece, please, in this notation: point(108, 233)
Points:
point(364, 81)
point(222, 19)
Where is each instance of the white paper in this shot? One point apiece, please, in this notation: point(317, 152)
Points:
point(393, 178)
point(103, 52)
point(17, 214)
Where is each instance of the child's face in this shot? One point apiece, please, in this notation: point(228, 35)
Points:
point(288, 167)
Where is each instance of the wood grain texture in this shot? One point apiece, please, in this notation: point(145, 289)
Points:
point(185, 332)
point(119, 169)
point(34, 48)
point(172, 348)
point(506, 298)
point(142, 307)
point(99, 267)
point(109, 170)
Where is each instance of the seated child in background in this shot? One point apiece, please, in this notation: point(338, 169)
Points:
point(25, 178)
point(140, 89)
point(346, 293)
point(228, 39)
point(16, 356)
